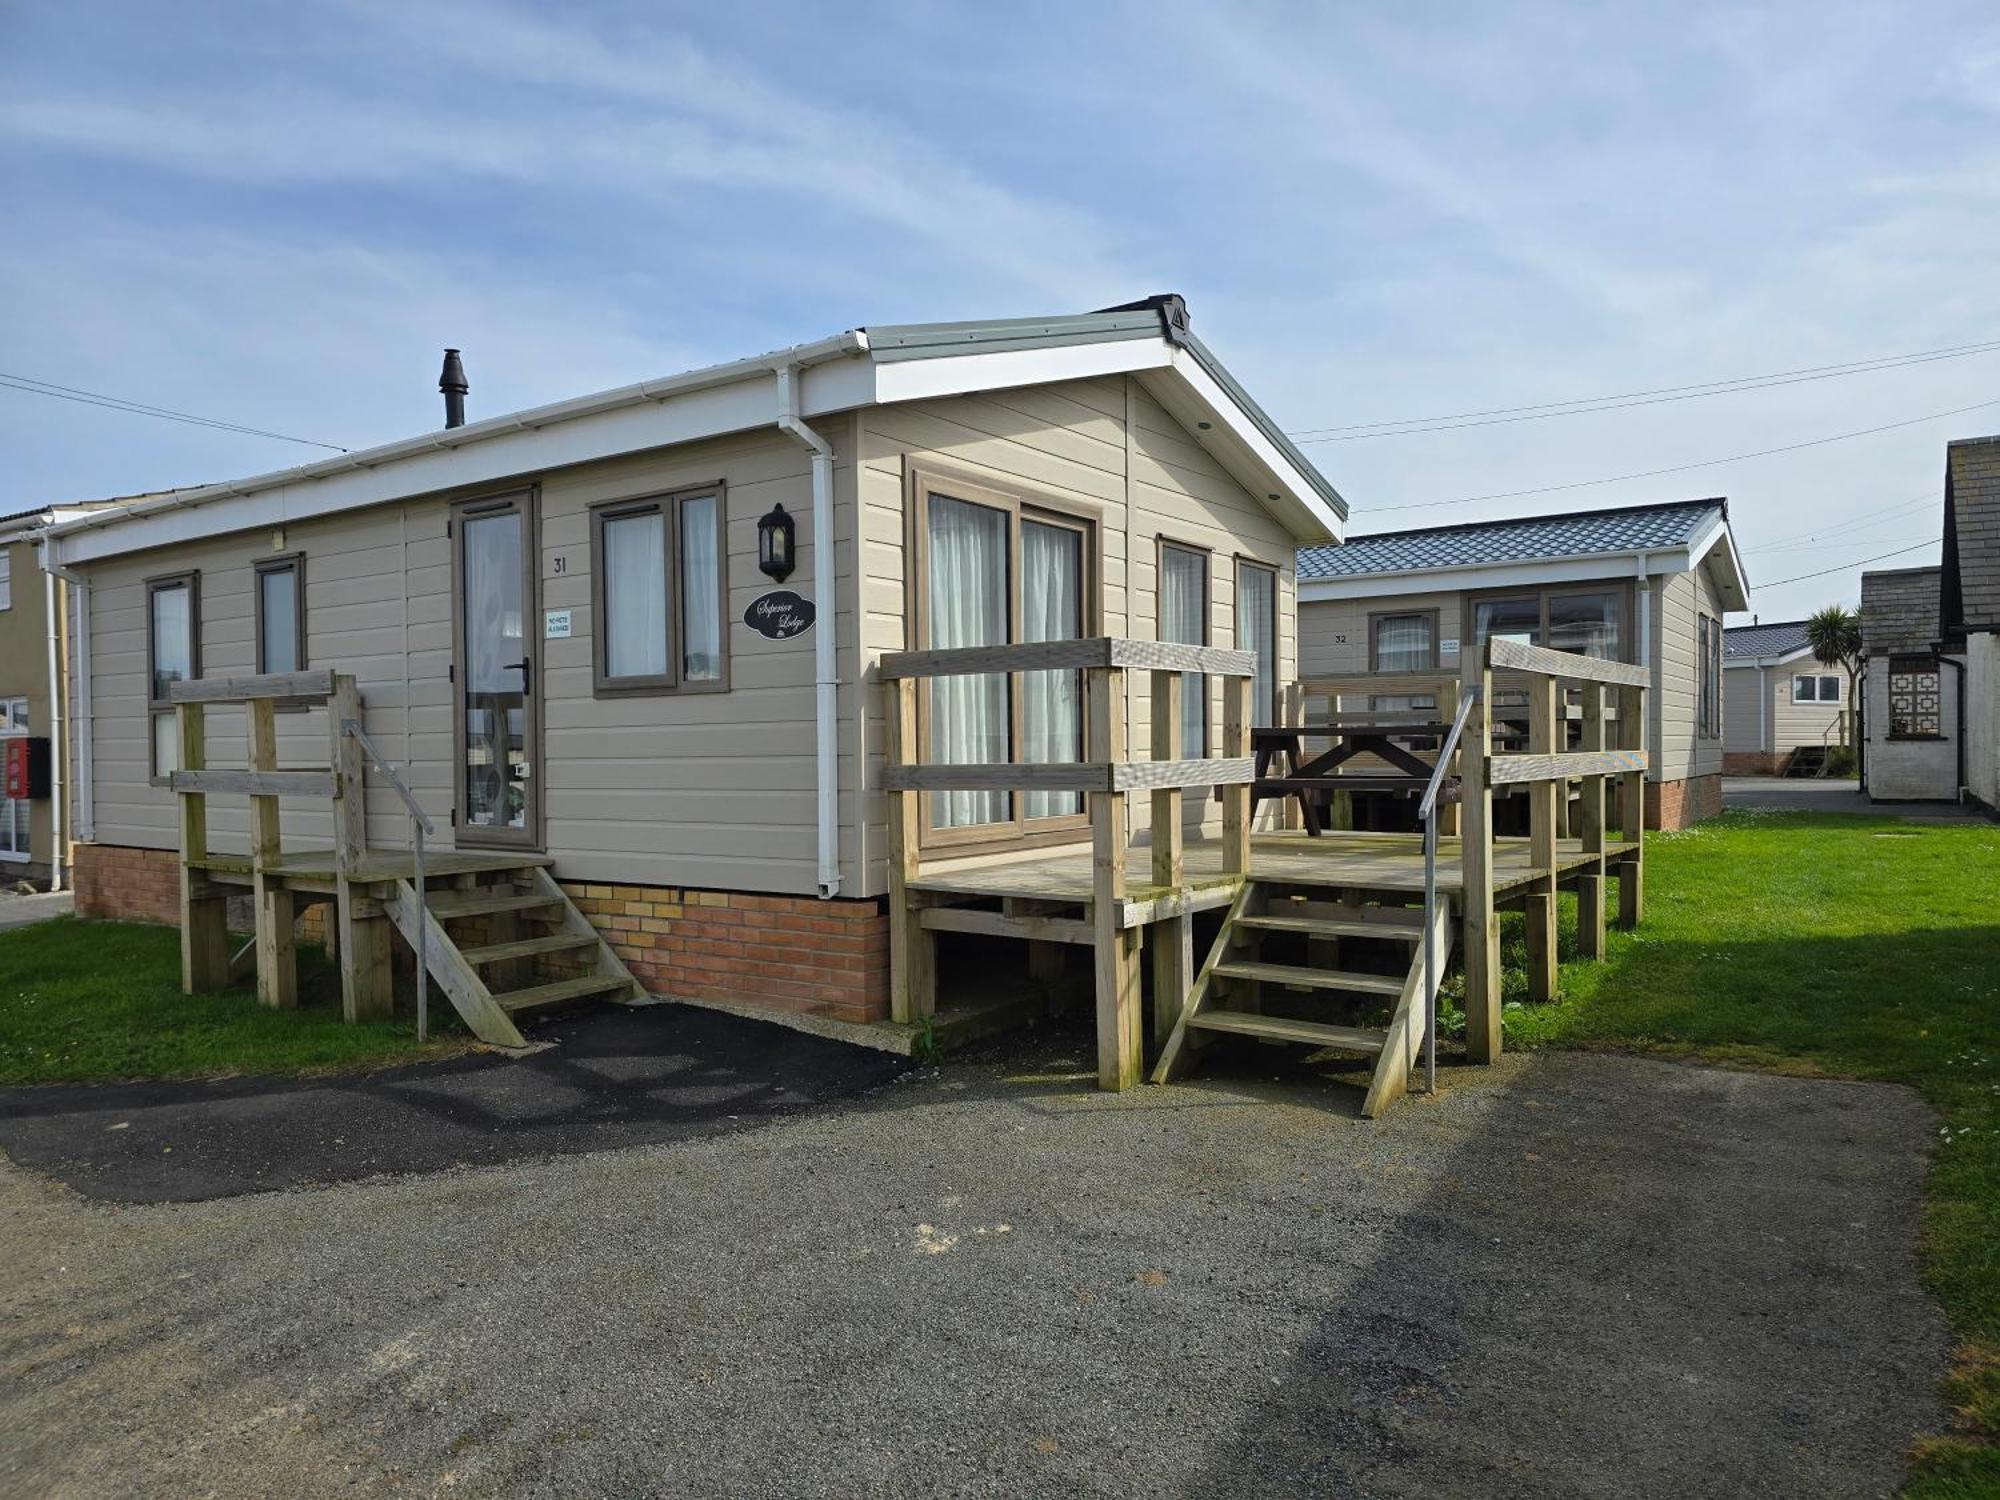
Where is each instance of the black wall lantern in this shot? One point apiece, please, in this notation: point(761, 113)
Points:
point(774, 544)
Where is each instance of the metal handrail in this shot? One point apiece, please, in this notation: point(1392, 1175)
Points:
point(420, 825)
point(1427, 810)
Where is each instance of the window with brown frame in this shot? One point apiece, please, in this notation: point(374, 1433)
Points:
point(993, 568)
point(281, 613)
point(1708, 677)
point(659, 593)
point(1914, 698)
point(173, 654)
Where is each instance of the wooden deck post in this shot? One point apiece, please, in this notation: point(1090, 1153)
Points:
point(912, 947)
point(1633, 735)
point(1115, 947)
point(1539, 902)
point(1590, 821)
point(1482, 931)
point(362, 944)
point(271, 898)
point(1172, 938)
point(1236, 799)
point(204, 910)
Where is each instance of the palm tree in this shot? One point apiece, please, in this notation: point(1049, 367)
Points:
point(1834, 633)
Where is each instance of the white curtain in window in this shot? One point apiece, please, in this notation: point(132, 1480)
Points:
point(701, 608)
point(1257, 630)
point(1585, 623)
point(173, 639)
point(967, 606)
point(1403, 643)
point(635, 595)
point(1051, 702)
point(1183, 598)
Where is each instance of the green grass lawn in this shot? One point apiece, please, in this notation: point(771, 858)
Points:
point(83, 1002)
point(1850, 946)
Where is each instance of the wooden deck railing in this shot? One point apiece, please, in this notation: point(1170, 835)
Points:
point(1107, 777)
point(1545, 767)
point(361, 937)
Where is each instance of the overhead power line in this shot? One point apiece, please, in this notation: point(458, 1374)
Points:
point(1863, 523)
point(140, 409)
point(1706, 463)
point(1585, 405)
point(1861, 563)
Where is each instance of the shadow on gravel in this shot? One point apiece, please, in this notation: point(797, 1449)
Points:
point(615, 1078)
point(1624, 1277)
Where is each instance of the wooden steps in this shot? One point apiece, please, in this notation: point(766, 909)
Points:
point(1285, 1029)
point(1227, 994)
point(500, 895)
point(1295, 976)
point(557, 991)
point(494, 953)
point(1390, 931)
point(483, 901)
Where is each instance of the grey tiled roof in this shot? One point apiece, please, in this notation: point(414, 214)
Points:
point(1778, 639)
point(1971, 590)
point(1899, 610)
point(1631, 528)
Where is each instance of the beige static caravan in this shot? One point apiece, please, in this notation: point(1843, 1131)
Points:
point(1645, 584)
point(628, 640)
point(1784, 710)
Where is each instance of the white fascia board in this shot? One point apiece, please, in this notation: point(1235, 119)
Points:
point(1596, 567)
point(1769, 661)
point(993, 370)
point(447, 462)
point(1192, 395)
point(1734, 580)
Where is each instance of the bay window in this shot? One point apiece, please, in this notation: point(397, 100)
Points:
point(994, 570)
point(658, 592)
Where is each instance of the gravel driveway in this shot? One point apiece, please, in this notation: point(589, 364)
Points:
point(1568, 1275)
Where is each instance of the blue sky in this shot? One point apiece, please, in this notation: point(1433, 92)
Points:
point(278, 215)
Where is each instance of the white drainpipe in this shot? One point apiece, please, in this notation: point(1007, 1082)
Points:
point(1644, 589)
point(82, 709)
point(825, 684)
point(55, 740)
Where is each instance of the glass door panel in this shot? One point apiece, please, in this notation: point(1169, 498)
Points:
point(496, 671)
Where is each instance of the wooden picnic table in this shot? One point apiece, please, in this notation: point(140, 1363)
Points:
point(1282, 769)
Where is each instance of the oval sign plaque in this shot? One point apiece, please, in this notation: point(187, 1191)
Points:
point(780, 614)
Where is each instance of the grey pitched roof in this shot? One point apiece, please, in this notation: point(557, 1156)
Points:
point(1630, 528)
point(1746, 642)
point(1899, 610)
point(1970, 594)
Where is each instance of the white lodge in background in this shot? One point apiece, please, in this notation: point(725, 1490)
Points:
point(549, 617)
point(1643, 584)
point(1779, 700)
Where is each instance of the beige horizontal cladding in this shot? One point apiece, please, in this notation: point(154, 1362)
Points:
point(1509, 770)
point(1091, 651)
point(1070, 776)
point(257, 783)
point(1567, 665)
point(287, 687)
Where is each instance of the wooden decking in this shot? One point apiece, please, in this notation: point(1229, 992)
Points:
point(1354, 861)
point(317, 869)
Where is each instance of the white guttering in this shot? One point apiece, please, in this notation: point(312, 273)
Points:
point(824, 588)
point(715, 417)
point(55, 740)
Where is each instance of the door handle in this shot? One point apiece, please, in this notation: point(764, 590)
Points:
point(526, 667)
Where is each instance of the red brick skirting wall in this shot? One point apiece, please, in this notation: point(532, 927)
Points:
point(127, 885)
point(825, 958)
point(1753, 762)
point(1677, 804)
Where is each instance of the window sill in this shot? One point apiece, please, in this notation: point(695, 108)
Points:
point(1918, 739)
point(8, 858)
